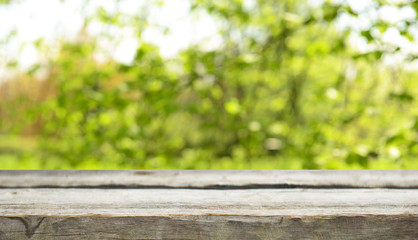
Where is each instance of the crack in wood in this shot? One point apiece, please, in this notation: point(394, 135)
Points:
point(31, 224)
point(3, 236)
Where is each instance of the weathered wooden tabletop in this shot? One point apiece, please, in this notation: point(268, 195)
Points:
point(208, 205)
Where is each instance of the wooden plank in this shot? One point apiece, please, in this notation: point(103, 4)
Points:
point(166, 202)
point(208, 205)
point(208, 214)
point(211, 179)
point(209, 227)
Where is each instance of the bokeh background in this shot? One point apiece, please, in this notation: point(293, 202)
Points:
point(208, 84)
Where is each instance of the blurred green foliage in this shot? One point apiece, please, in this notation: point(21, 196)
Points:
point(284, 90)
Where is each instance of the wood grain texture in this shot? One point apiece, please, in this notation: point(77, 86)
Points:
point(210, 227)
point(212, 179)
point(167, 202)
point(208, 205)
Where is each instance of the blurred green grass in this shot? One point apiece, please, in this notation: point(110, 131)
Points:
point(22, 153)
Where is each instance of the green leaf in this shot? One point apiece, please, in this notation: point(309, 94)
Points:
point(233, 107)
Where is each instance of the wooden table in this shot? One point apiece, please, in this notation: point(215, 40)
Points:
point(208, 205)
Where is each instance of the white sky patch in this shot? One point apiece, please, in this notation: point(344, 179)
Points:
point(109, 6)
point(46, 20)
point(184, 28)
point(28, 56)
point(125, 51)
point(367, 14)
point(315, 3)
point(359, 23)
point(55, 19)
point(393, 14)
point(392, 36)
point(249, 4)
point(130, 6)
point(359, 42)
point(34, 21)
point(361, 6)
point(205, 31)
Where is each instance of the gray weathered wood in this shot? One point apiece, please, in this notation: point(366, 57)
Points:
point(209, 227)
point(208, 205)
point(166, 202)
point(208, 179)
